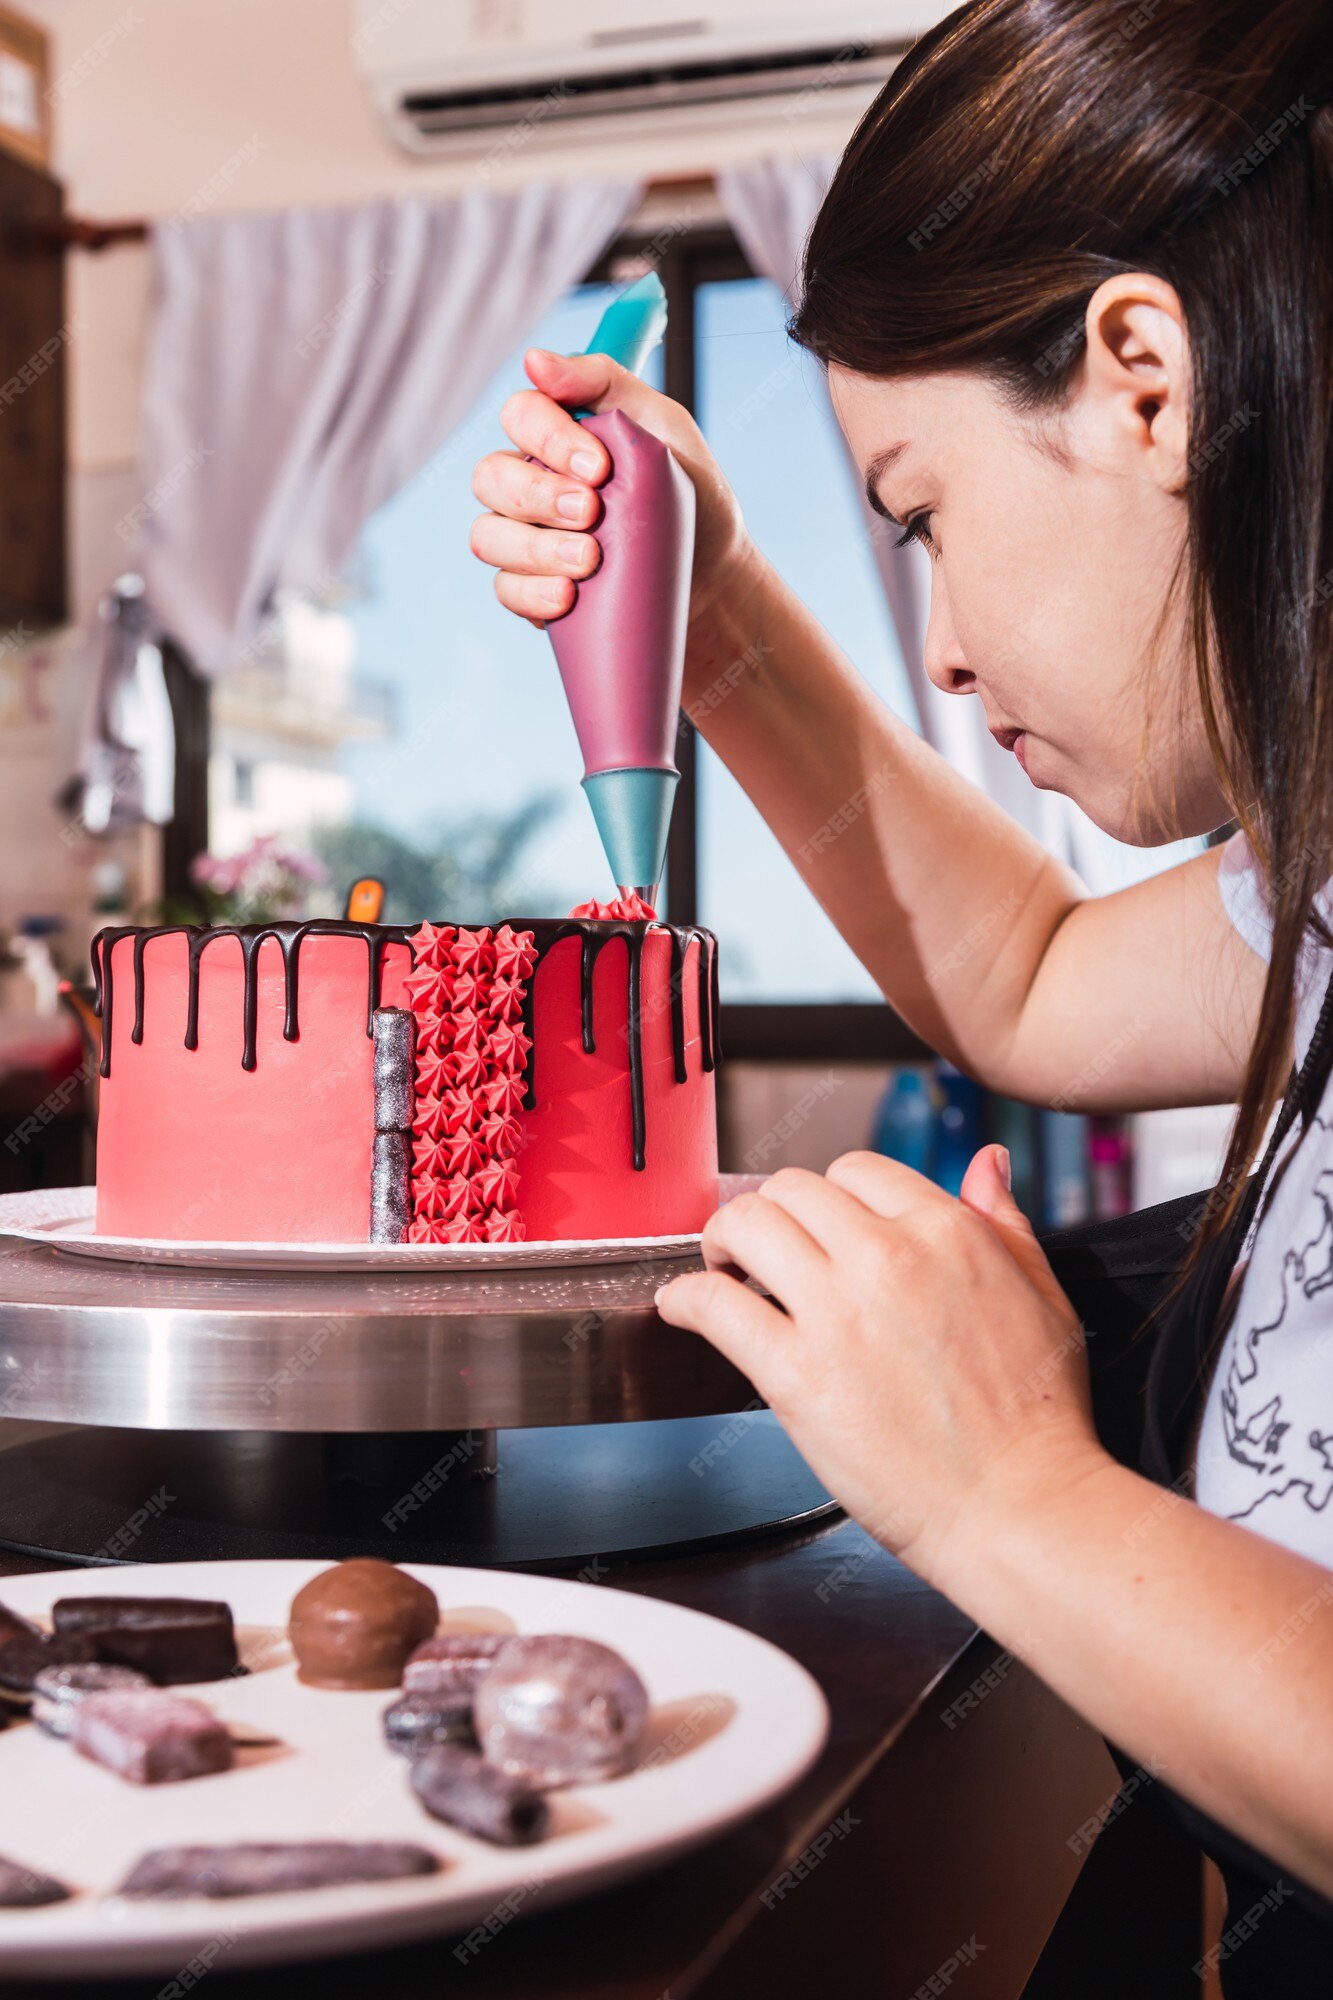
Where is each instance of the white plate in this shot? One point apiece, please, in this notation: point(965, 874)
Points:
point(66, 1217)
point(735, 1723)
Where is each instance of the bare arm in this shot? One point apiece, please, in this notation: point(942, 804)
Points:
point(1203, 1650)
point(988, 947)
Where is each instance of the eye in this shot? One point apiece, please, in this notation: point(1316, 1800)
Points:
point(918, 530)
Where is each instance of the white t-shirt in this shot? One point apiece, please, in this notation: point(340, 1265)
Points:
point(1265, 1451)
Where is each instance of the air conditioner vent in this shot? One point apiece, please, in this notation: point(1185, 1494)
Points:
point(436, 113)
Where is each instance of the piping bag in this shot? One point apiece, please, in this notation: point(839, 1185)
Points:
point(621, 648)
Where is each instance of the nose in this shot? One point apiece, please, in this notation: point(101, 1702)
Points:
point(945, 660)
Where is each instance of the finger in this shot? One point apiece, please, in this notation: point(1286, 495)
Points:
point(535, 597)
point(590, 382)
point(986, 1192)
point(746, 1328)
point(529, 551)
point(886, 1186)
point(761, 1240)
point(541, 428)
point(832, 1216)
point(526, 491)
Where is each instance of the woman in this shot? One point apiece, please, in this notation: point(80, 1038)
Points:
point(1102, 398)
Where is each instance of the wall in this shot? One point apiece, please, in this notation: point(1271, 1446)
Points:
point(169, 105)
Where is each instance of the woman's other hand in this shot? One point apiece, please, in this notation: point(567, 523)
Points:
point(918, 1349)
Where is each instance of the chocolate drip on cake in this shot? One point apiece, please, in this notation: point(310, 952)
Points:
point(593, 934)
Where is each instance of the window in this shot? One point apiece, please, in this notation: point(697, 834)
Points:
point(412, 729)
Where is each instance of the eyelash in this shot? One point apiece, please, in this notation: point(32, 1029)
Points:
point(917, 531)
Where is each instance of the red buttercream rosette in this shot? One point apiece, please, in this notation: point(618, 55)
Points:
point(620, 910)
point(504, 1226)
point(467, 992)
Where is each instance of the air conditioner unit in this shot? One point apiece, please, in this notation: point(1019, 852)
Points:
point(482, 76)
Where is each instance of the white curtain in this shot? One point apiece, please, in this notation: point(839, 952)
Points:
point(301, 367)
point(771, 205)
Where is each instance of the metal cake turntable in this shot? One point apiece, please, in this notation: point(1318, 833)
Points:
point(531, 1418)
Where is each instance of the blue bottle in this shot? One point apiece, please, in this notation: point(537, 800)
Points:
point(904, 1127)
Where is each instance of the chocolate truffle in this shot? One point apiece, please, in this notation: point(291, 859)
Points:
point(353, 1626)
point(558, 1710)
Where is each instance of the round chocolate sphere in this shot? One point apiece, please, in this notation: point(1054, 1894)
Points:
point(354, 1625)
point(556, 1710)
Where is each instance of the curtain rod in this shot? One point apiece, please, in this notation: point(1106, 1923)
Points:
point(76, 232)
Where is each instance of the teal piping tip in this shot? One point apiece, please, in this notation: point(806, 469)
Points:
point(633, 814)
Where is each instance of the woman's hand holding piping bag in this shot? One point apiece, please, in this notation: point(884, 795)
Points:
point(541, 535)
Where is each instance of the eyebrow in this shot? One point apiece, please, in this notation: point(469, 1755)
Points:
point(875, 471)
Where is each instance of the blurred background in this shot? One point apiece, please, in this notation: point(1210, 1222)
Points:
point(266, 277)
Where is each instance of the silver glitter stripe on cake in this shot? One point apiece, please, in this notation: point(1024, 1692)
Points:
point(394, 1069)
point(395, 1080)
point(391, 1187)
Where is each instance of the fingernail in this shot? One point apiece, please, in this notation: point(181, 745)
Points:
point(1006, 1166)
point(586, 464)
point(572, 549)
point(572, 506)
point(553, 592)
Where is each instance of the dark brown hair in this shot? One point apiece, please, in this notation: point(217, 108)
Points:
point(1021, 154)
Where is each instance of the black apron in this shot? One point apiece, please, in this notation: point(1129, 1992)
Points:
point(1148, 1384)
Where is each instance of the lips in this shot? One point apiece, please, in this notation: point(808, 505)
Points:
point(1015, 740)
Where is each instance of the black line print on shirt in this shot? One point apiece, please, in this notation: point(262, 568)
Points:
point(1288, 1458)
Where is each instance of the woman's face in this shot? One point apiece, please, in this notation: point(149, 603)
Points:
point(1053, 541)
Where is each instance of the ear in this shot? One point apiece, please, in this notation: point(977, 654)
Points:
point(1138, 371)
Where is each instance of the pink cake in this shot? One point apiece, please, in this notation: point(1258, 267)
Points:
point(343, 1082)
